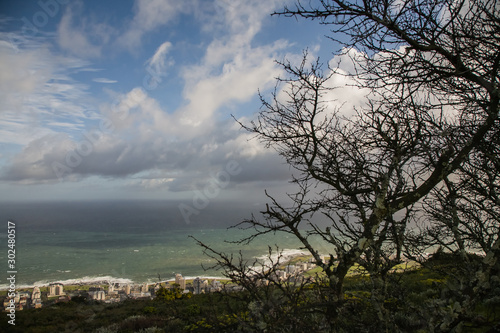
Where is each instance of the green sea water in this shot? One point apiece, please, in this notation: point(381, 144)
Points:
point(125, 242)
point(44, 257)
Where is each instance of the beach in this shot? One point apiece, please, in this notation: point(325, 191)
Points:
point(87, 258)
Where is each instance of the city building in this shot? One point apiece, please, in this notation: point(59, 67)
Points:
point(37, 304)
point(290, 269)
point(179, 279)
point(36, 294)
point(199, 286)
point(111, 290)
point(281, 275)
point(155, 288)
point(23, 301)
point(303, 266)
point(97, 293)
point(56, 289)
point(216, 285)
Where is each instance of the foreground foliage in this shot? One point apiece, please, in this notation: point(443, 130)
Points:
point(411, 168)
point(409, 298)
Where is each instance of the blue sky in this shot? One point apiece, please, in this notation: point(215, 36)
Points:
point(133, 99)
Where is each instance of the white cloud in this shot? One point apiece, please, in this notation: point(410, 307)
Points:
point(104, 80)
point(159, 63)
point(37, 91)
point(346, 93)
point(21, 73)
point(233, 69)
point(177, 151)
point(149, 15)
point(18, 129)
point(85, 39)
point(238, 82)
point(32, 165)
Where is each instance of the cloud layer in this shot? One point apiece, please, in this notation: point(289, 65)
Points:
point(59, 131)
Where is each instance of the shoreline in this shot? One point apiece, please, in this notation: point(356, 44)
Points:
point(288, 255)
point(102, 281)
point(84, 285)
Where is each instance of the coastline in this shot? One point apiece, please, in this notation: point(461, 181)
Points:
point(103, 280)
point(74, 256)
point(287, 255)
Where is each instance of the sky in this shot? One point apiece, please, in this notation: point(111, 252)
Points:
point(135, 99)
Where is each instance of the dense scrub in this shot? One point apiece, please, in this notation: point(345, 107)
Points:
point(409, 299)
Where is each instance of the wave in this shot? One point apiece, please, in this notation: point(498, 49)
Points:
point(86, 280)
point(101, 280)
point(283, 255)
point(199, 276)
point(263, 261)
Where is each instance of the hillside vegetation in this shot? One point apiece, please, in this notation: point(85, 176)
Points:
point(410, 294)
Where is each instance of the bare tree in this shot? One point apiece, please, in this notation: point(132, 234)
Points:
point(464, 222)
point(275, 303)
point(432, 69)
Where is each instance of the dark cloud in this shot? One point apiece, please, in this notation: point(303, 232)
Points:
point(188, 164)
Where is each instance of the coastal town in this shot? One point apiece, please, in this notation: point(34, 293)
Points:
point(108, 292)
point(38, 296)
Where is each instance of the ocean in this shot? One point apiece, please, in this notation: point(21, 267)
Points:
point(128, 242)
